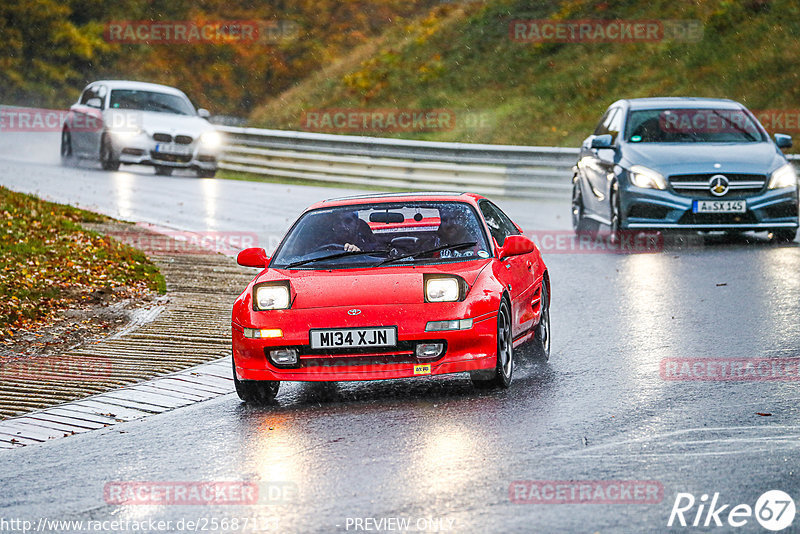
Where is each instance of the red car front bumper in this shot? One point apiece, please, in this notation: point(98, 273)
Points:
point(465, 350)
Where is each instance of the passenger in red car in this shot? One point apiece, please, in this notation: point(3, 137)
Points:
point(456, 226)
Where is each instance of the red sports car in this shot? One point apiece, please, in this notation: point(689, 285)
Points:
point(391, 286)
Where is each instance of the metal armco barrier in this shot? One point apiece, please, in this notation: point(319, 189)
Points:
point(507, 170)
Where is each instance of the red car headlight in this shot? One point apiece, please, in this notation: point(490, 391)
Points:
point(271, 296)
point(443, 289)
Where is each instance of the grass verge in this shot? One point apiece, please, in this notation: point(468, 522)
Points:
point(461, 57)
point(48, 262)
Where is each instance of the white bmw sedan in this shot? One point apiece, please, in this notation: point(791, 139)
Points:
point(140, 124)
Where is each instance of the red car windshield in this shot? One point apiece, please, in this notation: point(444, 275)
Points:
point(376, 234)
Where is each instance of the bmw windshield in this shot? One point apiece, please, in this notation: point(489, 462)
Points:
point(150, 101)
point(692, 126)
point(380, 234)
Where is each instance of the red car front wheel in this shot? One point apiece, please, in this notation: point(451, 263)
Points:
point(255, 391)
point(504, 370)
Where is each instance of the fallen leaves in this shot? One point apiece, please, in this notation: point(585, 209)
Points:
point(48, 262)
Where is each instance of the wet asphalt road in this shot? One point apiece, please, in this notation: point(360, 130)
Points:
point(436, 452)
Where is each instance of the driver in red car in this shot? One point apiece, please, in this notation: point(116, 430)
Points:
point(347, 229)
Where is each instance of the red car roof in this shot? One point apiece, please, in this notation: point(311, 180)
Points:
point(380, 198)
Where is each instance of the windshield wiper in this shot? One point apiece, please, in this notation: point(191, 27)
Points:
point(334, 256)
point(167, 107)
point(736, 126)
point(455, 246)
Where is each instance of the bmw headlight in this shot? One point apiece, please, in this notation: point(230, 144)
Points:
point(648, 178)
point(211, 139)
point(271, 296)
point(442, 289)
point(783, 177)
point(126, 134)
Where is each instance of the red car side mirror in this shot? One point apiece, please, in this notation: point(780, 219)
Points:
point(516, 245)
point(253, 257)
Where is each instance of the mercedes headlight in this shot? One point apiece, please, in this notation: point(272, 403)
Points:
point(271, 297)
point(212, 139)
point(442, 289)
point(783, 177)
point(648, 178)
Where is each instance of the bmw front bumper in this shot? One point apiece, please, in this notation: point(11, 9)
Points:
point(143, 150)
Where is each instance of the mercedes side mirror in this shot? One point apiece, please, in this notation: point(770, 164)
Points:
point(783, 140)
point(602, 141)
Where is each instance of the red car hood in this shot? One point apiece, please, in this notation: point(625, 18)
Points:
point(364, 287)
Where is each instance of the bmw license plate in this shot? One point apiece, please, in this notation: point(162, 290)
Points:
point(345, 338)
point(176, 150)
point(719, 206)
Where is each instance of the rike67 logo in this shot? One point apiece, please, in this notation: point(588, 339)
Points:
point(774, 510)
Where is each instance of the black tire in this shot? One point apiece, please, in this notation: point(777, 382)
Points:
point(107, 160)
point(255, 391)
point(783, 235)
point(614, 236)
point(67, 155)
point(504, 370)
point(540, 346)
point(580, 224)
point(161, 170)
point(206, 173)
